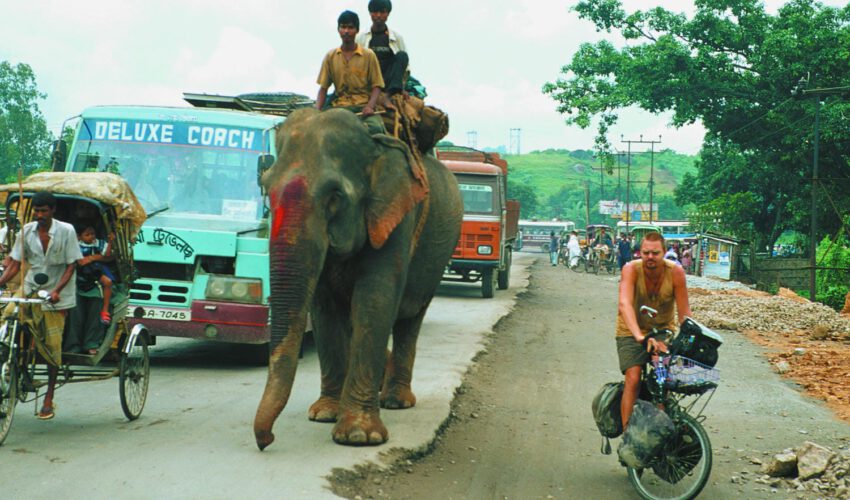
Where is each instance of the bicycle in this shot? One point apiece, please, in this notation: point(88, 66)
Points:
point(681, 469)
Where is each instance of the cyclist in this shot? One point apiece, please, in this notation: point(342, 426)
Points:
point(50, 247)
point(604, 243)
point(660, 284)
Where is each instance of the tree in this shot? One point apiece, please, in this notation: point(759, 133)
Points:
point(732, 67)
point(24, 138)
point(526, 196)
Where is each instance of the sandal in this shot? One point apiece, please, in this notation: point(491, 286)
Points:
point(105, 318)
point(47, 413)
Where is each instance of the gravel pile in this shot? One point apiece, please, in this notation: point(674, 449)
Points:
point(751, 310)
point(811, 469)
point(714, 284)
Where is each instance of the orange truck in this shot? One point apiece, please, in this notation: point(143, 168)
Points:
point(490, 220)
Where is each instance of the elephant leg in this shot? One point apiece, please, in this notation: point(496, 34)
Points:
point(332, 331)
point(374, 309)
point(397, 394)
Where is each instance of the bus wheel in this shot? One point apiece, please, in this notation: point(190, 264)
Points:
point(488, 278)
point(505, 274)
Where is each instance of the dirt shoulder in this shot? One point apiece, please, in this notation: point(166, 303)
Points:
point(521, 427)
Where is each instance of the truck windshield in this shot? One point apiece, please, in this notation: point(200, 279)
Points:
point(478, 194)
point(182, 167)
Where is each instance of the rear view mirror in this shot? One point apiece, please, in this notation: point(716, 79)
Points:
point(648, 311)
point(264, 162)
point(59, 155)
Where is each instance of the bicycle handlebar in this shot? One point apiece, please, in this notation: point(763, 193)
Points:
point(42, 299)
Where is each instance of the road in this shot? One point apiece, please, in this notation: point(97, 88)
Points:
point(194, 438)
point(522, 425)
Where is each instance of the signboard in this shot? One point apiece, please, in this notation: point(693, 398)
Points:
point(176, 133)
point(611, 207)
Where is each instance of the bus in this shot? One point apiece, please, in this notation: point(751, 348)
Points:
point(202, 256)
point(535, 234)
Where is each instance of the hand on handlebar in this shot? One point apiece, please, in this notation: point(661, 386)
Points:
point(53, 297)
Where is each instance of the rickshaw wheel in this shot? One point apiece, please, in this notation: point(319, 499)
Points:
point(8, 398)
point(133, 376)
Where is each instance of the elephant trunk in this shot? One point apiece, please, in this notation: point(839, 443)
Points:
point(295, 264)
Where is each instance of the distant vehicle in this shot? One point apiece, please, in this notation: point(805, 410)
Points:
point(484, 251)
point(535, 234)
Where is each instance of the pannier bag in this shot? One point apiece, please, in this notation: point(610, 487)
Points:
point(697, 342)
point(649, 429)
point(606, 413)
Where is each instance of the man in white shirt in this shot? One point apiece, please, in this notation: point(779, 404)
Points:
point(387, 44)
point(49, 247)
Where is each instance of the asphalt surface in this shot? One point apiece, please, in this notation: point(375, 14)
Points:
point(194, 438)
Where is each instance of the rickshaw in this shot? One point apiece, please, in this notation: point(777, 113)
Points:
point(110, 206)
point(638, 231)
point(599, 257)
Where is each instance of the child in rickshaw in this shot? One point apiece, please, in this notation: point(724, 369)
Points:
point(92, 268)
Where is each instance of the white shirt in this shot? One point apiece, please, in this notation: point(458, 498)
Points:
point(62, 249)
point(573, 246)
point(396, 41)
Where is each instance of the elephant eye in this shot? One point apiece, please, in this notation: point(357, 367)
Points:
point(335, 202)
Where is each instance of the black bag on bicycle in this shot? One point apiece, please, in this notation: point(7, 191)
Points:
point(697, 342)
point(649, 429)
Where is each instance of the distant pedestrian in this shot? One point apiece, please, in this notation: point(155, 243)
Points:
point(624, 250)
point(574, 249)
point(687, 259)
point(553, 248)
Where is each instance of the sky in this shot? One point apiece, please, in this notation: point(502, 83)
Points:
point(484, 62)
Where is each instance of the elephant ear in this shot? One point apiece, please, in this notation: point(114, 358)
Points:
point(398, 182)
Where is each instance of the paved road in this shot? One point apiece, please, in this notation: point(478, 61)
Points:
point(194, 439)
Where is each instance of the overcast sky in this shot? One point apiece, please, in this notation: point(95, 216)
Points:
point(483, 61)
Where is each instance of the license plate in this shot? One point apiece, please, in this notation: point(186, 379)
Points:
point(168, 314)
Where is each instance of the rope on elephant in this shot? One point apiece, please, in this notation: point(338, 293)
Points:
point(417, 165)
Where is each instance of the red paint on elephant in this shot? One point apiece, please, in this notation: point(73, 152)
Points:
point(287, 204)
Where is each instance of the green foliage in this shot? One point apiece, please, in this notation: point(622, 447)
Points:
point(731, 66)
point(727, 214)
point(558, 177)
point(526, 196)
point(832, 284)
point(24, 138)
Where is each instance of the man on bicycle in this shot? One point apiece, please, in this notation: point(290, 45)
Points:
point(50, 247)
point(660, 284)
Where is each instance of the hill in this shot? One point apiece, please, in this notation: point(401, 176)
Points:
point(558, 177)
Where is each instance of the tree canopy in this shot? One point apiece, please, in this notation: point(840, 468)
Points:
point(732, 67)
point(24, 138)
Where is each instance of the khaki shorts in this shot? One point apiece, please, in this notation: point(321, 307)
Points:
point(631, 353)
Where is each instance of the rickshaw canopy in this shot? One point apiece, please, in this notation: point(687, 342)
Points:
point(109, 189)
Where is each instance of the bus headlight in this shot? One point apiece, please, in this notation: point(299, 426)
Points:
point(233, 289)
point(485, 250)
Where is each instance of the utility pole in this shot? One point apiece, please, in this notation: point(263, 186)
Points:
point(514, 145)
point(801, 91)
point(651, 172)
point(472, 139)
point(587, 202)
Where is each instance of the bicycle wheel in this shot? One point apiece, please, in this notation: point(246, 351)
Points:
point(8, 395)
point(682, 469)
point(580, 267)
point(133, 375)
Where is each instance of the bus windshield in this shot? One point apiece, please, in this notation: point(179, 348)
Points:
point(478, 194)
point(197, 170)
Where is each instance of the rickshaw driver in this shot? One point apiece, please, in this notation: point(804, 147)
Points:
point(50, 247)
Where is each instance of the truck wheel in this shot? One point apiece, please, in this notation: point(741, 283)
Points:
point(488, 278)
point(505, 274)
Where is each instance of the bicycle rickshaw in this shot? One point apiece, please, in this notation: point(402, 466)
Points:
point(597, 257)
point(110, 206)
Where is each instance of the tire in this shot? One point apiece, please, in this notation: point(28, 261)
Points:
point(682, 469)
point(133, 376)
point(504, 277)
point(488, 285)
point(580, 267)
point(8, 396)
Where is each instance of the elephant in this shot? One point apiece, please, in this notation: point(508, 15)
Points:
point(359, 237)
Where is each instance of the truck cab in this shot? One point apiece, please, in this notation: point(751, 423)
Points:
point(485, 248)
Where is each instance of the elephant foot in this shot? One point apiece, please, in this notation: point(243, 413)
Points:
point(325, 409)
point(264, 438)
point(360, 429)
point(398, 398)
